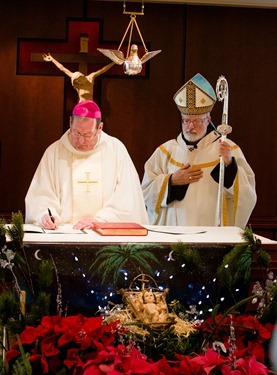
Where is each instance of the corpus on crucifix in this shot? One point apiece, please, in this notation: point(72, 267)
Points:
point(82, 83)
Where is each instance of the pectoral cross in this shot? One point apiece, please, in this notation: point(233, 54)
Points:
point(87, 182)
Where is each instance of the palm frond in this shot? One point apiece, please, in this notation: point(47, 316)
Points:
point(230, 264)
point(224, 277)
point(140, 264)
point(243, 267)
point(112, 273)
point(107, 266)
point(237, 264)
point(263, 259)
point(251, 240)
point(146, 255)
point(111, 259)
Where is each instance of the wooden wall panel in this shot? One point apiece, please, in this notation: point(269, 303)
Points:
point(240, 43)
point(31, 106)
point(141, 112)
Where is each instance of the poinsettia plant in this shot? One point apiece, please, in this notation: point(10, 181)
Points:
point(79, 345)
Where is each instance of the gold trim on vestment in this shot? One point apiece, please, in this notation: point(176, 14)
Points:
point(161, 195)
point(169, 158)
point(236, 196)
point(199, 166)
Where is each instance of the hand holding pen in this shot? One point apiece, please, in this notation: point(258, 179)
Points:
point(49, 221)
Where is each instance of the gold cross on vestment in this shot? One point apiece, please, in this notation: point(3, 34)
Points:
point(87, 181)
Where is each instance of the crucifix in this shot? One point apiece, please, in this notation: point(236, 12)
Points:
point(81, 81)
point(87, 182)
point(77, 51)
point(82, 58)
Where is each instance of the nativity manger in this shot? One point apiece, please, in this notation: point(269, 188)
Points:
point(147, 303)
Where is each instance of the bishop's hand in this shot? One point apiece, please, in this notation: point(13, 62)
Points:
point(49, 222)
point(186, 175)
point(225, 151)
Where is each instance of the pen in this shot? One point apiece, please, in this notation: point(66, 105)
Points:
point(50, 214)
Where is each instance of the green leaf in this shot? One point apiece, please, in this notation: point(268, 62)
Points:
point(111, 259)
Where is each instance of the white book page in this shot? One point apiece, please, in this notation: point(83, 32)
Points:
point(62, 229)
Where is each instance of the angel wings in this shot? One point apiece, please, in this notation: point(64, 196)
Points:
point(132, 64)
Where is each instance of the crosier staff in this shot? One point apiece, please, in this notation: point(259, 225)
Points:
point(222, 93)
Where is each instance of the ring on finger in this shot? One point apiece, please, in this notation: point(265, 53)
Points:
point(190, 178)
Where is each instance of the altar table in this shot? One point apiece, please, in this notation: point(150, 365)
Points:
point(83, 291)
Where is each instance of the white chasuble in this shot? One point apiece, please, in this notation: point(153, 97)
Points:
point(87, 186)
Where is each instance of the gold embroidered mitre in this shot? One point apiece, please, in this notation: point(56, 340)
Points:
point(196, 97)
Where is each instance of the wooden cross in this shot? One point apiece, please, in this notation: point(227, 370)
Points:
point(143, 281)
point(79, 47)
point(82, 58)
point(69, 52)
point(87, 181)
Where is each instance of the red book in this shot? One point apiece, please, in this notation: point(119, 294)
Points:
point(120, 229)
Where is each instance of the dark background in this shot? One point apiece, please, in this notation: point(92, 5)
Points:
point(237, 42)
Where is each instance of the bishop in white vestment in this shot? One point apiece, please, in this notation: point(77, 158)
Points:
point(181, 179)
point(83, 175)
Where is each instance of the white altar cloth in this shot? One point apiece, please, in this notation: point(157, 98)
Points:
point(156, 234)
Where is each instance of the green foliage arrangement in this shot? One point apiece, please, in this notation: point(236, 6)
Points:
point(16, 276)
point(236, 265)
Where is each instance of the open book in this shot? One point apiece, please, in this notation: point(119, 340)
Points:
point(119, 229)
point(62, 229)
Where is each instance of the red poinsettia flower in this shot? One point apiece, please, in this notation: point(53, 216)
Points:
point(92, 369)
point(30, 335)
point(50, 325)
point(48, 346)
point(11, 354)
point(226, 370)
point(246, 366)
point(209, 361)
point(44, 365)
point(188, 367)
point(162, 367)
point(134, 362)
point(73, 359)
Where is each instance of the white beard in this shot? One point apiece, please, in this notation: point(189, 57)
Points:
point(193, 137)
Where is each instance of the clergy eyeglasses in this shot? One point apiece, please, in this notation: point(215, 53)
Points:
point(86, 136)
point(196, 122)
